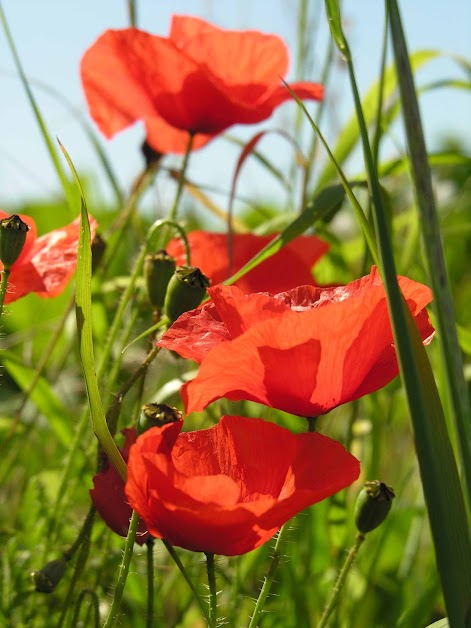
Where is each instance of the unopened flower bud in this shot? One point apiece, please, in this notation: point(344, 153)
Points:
point(12, 239)
point(46, 579)
point(151, 156)
point(373, 505)
point(158, 270)
point(156, 415)
point(185, 291)
point(98, 250)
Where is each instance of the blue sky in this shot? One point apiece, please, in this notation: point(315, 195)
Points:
point(51, 36)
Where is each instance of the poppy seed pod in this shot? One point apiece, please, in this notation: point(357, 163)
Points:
point(12, 239)
point(158, 270)
point(156, 415)
point(185, 291)
point(46, 263)
point(373, 505)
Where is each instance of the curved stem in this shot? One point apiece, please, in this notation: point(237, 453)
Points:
point(94, 604)
point(265, 590)
point(212, 589)
point(171, 550)
point(338, 586)
point(82, 543)
point(123, 571)
point(141, 185)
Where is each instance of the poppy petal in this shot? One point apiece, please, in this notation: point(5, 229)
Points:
point(218, 490)
point(289, 267)
point(307, 361)
point(48, 263)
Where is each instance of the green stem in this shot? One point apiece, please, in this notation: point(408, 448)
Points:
point(84, 533)
point(311, 423)
point(3, 288)
point(132, 12)
point(123, 571)
point(212, 589)
point(338, 586)
point(82, 543)
point(94, 604)
point(366, 227)
point(150, 582)
point(181, 180)
point(171, 550)
point(321, 108)
point(265, 590)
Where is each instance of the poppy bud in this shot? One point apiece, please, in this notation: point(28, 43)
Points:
point(151, 156)
point(98, 250)
point(156, 415)
point(158, 270)
point(373, 504)
point(46, 579)
point(185, 290)
point(12, 239)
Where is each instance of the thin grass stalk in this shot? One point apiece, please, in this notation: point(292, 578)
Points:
point(435, 454)
point(66, 185)
point(321, 107)
point(430, 227)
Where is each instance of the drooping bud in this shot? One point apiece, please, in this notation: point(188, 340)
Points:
point(12, 239)
point(151, 156)
point(158, 270)
point(185, 291)
point(46, 579)
point(156, 415)
point(373, 505)
point(98, 250)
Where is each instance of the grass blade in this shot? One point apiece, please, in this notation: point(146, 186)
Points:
point(443, 304)
point(438, 468)
point(83, 306)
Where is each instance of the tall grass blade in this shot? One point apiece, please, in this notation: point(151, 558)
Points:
point(443, 304)
point(83, 306)
point(435, 454)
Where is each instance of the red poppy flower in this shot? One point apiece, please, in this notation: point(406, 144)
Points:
point(108, 495)
point(304, 351)
point(200, 79)
point(229, 488)
point(47, 263)
point(288, 268)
